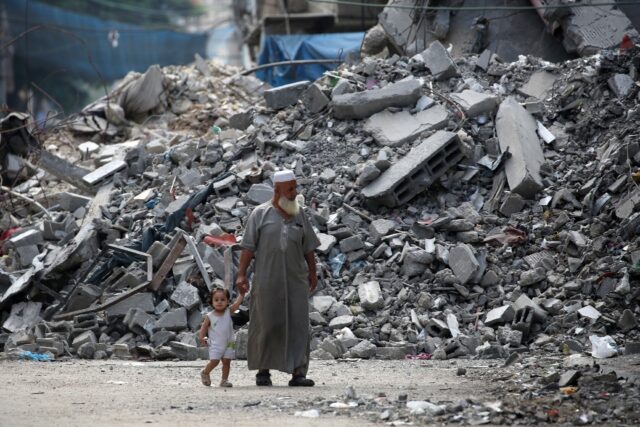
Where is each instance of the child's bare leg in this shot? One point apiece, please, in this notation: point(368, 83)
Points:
point(226, 367)
point(211, 365)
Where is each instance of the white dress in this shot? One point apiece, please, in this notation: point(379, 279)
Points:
point(221, 340)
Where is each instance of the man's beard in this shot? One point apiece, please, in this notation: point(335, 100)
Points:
point(291, 207)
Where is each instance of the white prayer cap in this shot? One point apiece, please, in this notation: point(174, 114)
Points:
point(285, 175)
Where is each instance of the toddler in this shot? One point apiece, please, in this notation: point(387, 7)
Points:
point(217, 332)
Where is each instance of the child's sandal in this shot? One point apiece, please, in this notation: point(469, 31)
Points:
point(225, 383)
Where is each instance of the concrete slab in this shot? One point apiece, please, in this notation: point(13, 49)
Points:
point(539, 85)
point(393, 129)
point(590, 29)
point(104, 172)
point(360, 105)
point(516, 130)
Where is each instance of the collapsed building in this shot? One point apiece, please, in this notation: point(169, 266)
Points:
point(467, 207)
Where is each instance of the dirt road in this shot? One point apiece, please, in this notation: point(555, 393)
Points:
point(127, 393)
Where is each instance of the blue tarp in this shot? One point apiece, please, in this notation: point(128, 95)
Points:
point(304, 46)
point(79, 45)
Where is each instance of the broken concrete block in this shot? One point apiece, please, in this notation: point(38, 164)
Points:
point(516, 130)
point(140, 322)
point(326, 243)
point(242, 343)
point(361, 105)
point(500, 315)
point(241, 121)
point(627, 321)
point(186, 295)
point(589, 312)
point(183, 351)
point(475, 103)
point(283, 96)
point(30, 237)
point(437, 328)
point(394, 129)
point(539, 85)
point(484, 60)
point(143, 301)
point(175, 320)
point(380, 228)
point(463, 263)
point(158, 252)
point(363, 350)
point(539, 314)
point(415, 262)
point(83, 297)
point(569, 378)
point(512, 204)
point(314, 99)
point(370, 295)
point(160, 338)
point(341, 322)
point(621, 84)
point(26, 254)
point(259, 194)
point(416, 171)
point(23, 316)
point(438, 61)
point(85, 337)
point(351, 244)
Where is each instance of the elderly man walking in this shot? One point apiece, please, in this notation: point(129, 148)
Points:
point(280, 238)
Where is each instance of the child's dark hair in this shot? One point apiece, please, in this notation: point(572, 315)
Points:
point(218, 289)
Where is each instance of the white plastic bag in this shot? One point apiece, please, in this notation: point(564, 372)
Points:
point(603, 347)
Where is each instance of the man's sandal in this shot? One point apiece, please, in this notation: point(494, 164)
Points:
point(263, 379)
point(301, 381)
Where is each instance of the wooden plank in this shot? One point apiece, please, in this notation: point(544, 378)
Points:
point(168, 262)
point(112, 301)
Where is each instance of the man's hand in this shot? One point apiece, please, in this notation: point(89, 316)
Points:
point(242, 284)
point(313, 282)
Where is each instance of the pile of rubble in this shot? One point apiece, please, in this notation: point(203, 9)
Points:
point(466, 207)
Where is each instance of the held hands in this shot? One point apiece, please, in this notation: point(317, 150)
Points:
point(242, 284)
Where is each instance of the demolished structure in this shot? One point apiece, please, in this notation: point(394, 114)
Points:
point(498, 217)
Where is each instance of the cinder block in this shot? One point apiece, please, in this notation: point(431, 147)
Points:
point(414, 173)
point(283, 96)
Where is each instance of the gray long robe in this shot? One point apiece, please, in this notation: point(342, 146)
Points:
point(279, 311)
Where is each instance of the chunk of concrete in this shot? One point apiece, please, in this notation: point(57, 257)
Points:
point(28, 238)
point(463, 263)
point(259, 194)
point(380, 228)
point(516, 130)
point(326, 243)
point(175, 320)
point(438, 61)
point(314, 99)
point(143, 301)
point(363, 350)
point(500, 316)
point(341, 322)
point(351, 244)
point(539, 85)
point(186, 295)
point(158, 252)
point(322, 303)
point(361, 105)
point(437, 328)
point(140, 322)
point(83, 338)
point(23, 316)
point(422, 166)
point(283, 96)
point(539, 314)
point(589, 312)
point(512, 204)
point(627, 321)
point(475, 103)
point(241, 121)
point(370, 295)
point(621, 84)
point(394, 129)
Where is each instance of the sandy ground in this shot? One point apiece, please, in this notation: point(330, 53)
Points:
point(128, 393)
